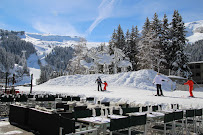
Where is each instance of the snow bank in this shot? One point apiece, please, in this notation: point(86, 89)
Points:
point(4, 123)
point(13, 132)
point(141, 79)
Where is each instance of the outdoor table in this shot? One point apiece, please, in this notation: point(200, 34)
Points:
point(102, 121)
point(151, 116)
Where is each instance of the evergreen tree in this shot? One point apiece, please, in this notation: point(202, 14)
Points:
point(134, 39)
point(145, 54)
point(177, 57)
point(126, 49)
point(113, 42)
point(155, 31)
point(165, 41)
point(195, 51)
point(120, 38)
point(146, 27)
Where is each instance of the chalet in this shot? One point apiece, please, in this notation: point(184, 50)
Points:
point(197, 71)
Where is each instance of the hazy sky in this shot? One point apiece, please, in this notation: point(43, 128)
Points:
point(93, 19)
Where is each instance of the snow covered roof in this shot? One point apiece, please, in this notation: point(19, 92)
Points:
point(176, 77)
point(105, 58)
point(86, 65)
point(124, 63)
point(196, 62)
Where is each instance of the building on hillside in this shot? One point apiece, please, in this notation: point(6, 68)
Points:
point(197, 71)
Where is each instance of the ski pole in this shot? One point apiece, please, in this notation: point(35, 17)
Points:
point(196, 83)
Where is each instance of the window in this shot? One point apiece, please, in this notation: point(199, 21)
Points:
point(191, 66)
point(197, 74)
point(197, 66)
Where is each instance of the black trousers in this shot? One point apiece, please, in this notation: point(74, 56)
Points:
point(99, 85)
point(158, 86)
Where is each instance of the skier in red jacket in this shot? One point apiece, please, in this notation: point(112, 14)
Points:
point(190, 83)
point(105, 85)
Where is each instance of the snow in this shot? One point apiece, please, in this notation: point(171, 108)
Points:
point(13, 132)
point(4, 123)
point(131, 87)
point(32, 61)
point(194, 31)
point(50, 37)
point(197, 62)
point(44, 44)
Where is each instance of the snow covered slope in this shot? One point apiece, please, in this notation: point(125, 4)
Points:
point(131, 87)
point(194, 31)
point(138, 79)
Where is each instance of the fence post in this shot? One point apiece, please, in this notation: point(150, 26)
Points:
point(6, 81)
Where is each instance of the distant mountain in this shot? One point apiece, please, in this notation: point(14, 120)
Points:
point(194, 31)
point(58, 38)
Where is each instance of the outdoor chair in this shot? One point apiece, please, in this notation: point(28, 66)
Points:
point(21, 98)
point(7, 98)
point(82, 113)
point(90, 99)
point(60, 105)
point(98, 111)
point(198, 121)
point(116, 112)
point(67, 98)
point(130, 110)
point(30, 96)
point(144, 108)
point(66, 107)
point(116, 125)
point(155, 108)
point(190, 121)
point(67, 125)
point(75, 98)
point(137, 125)
point(164, 126)
point(178, 122)
point(43, 122)
point(18, 116)
point(80, 108)
point(105, 103)
point(174, 106)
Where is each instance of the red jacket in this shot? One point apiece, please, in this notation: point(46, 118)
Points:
point(105, 84)
point(189, 82)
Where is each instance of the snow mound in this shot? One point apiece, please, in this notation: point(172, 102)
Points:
point(138, 79)
point(13, 132)
point(194, 31)
point(4, 123)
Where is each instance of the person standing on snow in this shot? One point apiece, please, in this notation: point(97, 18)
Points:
point(190, 83)
point(99, 82)
point(105, 85)
point(158, 81)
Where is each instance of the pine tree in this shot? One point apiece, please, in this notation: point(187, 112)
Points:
point(165, 41)
point(195, 51)
point(146, 27)
point(113, 42)
point(134, 39)
point(126, 49)
point(155, 31)
point(145, 54)
point(178, 40)
point(120, 38)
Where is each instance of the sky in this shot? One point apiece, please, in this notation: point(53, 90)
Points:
point(93, 19)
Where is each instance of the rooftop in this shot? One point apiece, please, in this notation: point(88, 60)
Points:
point(196, 62)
